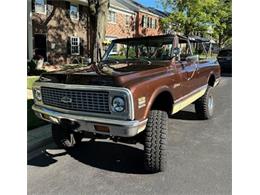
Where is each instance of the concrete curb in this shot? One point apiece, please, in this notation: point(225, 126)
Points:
point(38, 137)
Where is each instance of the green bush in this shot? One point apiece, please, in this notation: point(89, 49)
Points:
point(31, 80)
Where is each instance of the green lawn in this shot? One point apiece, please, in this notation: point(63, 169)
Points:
point(32, 120)
point(31, 80)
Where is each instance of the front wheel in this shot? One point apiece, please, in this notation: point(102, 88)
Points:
point(156, 141)
point(204, 106)
point(65, 138)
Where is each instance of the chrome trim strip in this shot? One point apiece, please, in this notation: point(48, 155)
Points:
point(191, 93)
point(90, 87)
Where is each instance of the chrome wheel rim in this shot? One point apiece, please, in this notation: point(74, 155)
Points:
point(210, 104)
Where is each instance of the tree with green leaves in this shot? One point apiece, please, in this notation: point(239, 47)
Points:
point(199, 17)
point(222, 28)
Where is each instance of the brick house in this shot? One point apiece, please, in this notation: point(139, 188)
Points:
point(59, 31)
point(127, 18)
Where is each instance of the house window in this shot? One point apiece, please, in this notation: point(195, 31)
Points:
point(145, 21)
point(40, 6)
point(75, 45)
point(149, 22)
point(127, 20)
point(153, 23)
point(74, 12)
point(112, 16)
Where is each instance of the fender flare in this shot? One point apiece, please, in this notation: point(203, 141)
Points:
point(154, 95)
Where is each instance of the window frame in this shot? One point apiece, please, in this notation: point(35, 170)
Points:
point(155, 23)
point(72, 45)
point(127, 20)
point(145, 19)
point(45, 7)
point(75, 5)
point(150, 22)
point(109, 19)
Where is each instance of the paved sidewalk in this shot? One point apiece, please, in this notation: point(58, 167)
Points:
point(38, 137)
point(29, 94)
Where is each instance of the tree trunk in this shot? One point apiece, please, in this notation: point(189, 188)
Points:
point(99, 11)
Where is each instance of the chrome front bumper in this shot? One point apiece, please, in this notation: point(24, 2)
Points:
point(119, 128)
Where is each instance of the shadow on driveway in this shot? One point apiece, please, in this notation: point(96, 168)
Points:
point(115, 157)
point(185, 115)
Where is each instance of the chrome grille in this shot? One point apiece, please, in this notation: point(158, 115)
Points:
point(81, 100)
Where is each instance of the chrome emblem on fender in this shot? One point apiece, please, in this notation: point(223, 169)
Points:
point(66, 100)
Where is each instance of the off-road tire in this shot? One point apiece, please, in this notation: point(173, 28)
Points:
point(156, 141)
point(204, 106)
point(65, 138)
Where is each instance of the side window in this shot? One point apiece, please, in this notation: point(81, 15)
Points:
point(198, 48)
point(184, 50)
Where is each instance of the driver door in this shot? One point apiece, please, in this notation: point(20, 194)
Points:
point(187, 66)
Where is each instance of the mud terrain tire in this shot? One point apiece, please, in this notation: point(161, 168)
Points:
point(155, 141)
point(204, 106)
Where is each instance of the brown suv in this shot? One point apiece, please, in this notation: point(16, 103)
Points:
point(130, 93)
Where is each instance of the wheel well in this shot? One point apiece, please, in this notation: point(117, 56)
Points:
point(211, 80)
point(164, 102)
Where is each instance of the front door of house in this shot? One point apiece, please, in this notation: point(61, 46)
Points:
point(40, 47)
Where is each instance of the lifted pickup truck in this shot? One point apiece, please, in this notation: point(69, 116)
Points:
point(130, 93)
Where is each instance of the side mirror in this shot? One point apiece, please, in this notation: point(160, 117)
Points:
point(192, 59)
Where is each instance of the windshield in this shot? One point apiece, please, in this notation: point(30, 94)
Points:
point(149, 50)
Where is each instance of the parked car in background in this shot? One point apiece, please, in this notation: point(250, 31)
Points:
point(225, 60)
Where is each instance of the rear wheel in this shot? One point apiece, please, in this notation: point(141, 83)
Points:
point(64, 137)
point(156, 141)
point(204, 106)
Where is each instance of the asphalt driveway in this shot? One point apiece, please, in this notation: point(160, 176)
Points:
point(199, 160)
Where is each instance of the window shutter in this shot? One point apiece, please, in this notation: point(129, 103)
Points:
point(33, 5)
point(142, 21)
point(69, 46)
point(67, 8)
point(81, 12)
point(81, 47)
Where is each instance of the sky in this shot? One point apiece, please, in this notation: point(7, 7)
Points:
point(150, 3)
